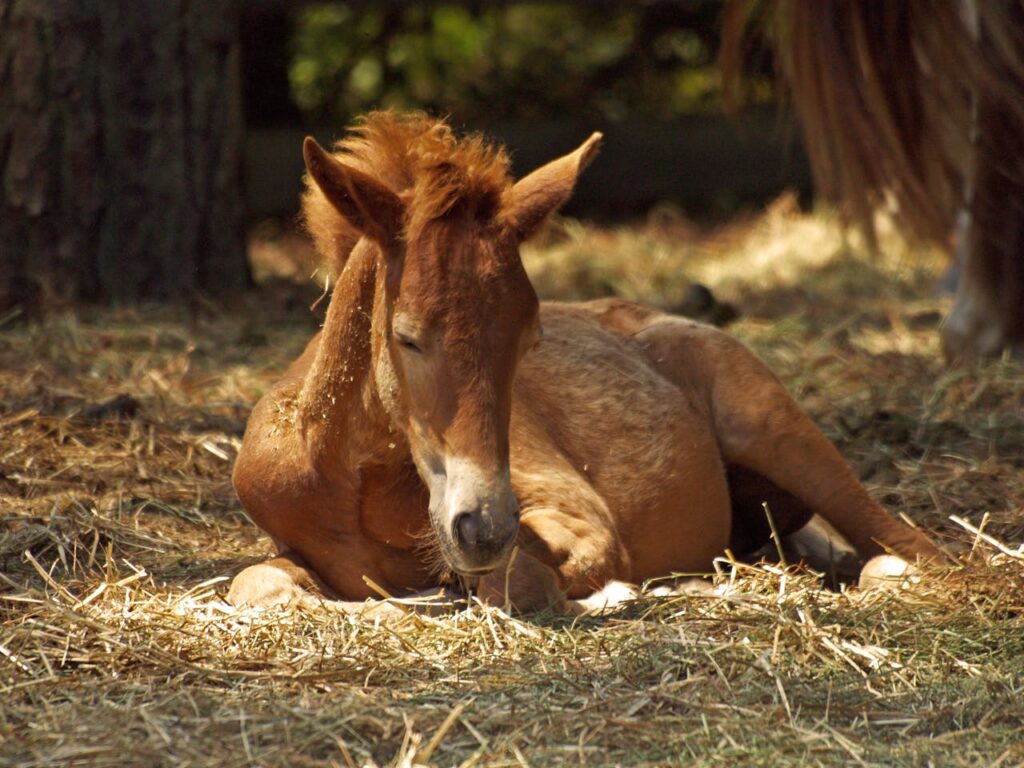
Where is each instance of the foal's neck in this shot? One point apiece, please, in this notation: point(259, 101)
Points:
point(331, 402)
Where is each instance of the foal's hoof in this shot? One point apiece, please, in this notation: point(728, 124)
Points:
point(612, 594)
point(264, 586)
point(888, 572)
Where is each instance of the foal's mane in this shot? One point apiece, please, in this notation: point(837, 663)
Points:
point(419, 158)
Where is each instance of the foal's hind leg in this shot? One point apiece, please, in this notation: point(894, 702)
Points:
point(806, 537)
point(823, 548)
point(760, 427)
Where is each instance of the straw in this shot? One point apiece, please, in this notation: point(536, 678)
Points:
point(118, 535)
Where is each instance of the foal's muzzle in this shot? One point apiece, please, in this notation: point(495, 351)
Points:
point(483, 538)
point(477, 521)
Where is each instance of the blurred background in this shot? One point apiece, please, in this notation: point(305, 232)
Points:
point(154, 283)
point(149, 149)
point(537, 76)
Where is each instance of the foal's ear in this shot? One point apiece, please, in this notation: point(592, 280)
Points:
point(538, 195)
point(367, 204)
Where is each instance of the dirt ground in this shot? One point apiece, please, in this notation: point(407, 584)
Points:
point(119, 530)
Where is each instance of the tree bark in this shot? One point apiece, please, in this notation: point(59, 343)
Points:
point(120, 150)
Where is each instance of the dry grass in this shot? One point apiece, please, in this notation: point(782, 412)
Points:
point(117, 532)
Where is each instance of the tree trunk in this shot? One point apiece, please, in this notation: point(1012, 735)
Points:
point(120, 150)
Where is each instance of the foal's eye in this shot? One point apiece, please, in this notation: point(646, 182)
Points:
point(407, 342)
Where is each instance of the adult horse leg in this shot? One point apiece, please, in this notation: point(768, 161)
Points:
point(988, 313)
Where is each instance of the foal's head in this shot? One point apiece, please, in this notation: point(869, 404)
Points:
point(460, 312)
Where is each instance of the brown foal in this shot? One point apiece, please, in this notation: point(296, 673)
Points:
point(428, 430)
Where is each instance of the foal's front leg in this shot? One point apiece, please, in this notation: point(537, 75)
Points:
point(562, 560)
point(281, 581)
point(286, 581)
point(526, 585)
point(523, 584)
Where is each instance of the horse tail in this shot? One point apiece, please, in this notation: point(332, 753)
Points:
point(886, 95)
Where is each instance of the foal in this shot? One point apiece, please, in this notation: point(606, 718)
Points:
point(428, 431)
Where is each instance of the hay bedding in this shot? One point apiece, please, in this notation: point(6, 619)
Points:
point(119, 527)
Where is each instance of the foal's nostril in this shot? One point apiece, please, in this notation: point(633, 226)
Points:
point(467, 529)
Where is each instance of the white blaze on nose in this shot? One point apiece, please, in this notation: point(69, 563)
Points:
point(470, 489)
point(481, 516)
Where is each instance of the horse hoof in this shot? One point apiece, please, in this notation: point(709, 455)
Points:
point(888, 572)
point(264, 586)
point(612, 594)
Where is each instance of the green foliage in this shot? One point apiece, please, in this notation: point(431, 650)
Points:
point(519, 60)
